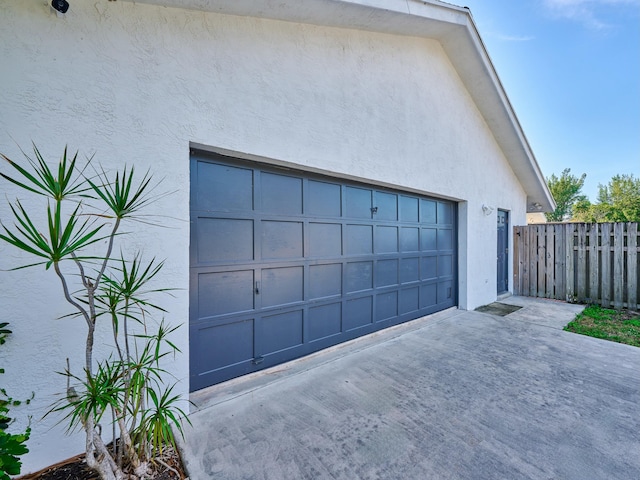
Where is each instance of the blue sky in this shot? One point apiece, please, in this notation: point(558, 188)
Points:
point(571, 69)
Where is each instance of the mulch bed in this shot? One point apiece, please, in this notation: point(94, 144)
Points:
point(75, 468)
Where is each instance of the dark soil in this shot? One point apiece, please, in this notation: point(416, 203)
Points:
point(75, 468)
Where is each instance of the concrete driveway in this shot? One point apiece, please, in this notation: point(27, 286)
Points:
point(456, 395)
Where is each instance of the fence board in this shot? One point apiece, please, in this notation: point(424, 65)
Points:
point(581, 266)
point(549, 263)
point(594, 259)
point(618, 265)
point(632, 265)
point(605, 254)
point(540, 258)
point(533, 269)
point(517, 262)
point(589, 263)
point(569, 277)
point(559, 261)
point(524, 252)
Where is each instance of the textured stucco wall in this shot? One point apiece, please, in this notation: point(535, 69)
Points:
point(136, 84)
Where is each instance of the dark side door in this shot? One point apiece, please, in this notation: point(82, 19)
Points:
point(503, 251)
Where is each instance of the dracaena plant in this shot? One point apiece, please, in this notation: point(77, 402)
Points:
point(85, 207)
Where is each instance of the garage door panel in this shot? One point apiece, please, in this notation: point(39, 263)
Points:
point(445, 213)
point(286, 263)
point(409, 270)
point(224, 240)
point(359, 202)
point(359, 276)
point(409, 300)
point(445, 265)
point(280, 194)
point(445, 239)
point(324, 199)
point(359, 240)
point(428, 295)
point(386, 306)
point(221, 346)
point(386, 239)
point(387, 206)
point(280, 240)
point(428, 211)
point(408, 209)
point(428, 267)
point(445, 291)
point(325, 281)
point(225, 292)
point(281, 286)
point(324, 321)
point(409, 239)
point(429, 239)
point(223, 188)
point(386, 272)
point(278, 332)
point(325, 239)
point(358, 313)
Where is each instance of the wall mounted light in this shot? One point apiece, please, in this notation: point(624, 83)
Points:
point(60, 5)
point(537, 206)
point(487, 210)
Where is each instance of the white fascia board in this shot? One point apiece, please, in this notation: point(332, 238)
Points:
point(450, 25)
point(468, 55)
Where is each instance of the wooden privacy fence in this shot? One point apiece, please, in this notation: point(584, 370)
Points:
point(594, 263)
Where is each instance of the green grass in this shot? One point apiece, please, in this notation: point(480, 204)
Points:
point(617, 326)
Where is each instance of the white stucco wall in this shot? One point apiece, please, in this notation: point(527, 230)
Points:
point(136, 84)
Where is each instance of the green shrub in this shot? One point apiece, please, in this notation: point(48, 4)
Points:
point(12, 446)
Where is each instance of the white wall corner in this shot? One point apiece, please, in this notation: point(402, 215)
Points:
point(463, 242)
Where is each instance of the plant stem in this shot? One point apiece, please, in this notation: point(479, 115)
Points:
point(107, 257)
point(68, 296)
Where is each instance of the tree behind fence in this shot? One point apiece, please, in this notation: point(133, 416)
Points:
point(596, 263)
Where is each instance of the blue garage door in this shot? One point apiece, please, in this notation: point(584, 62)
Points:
point(285, 263)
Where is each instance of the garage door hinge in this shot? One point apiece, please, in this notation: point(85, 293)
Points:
point(258, 360)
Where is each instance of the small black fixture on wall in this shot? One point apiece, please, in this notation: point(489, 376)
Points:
point(60, 5)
